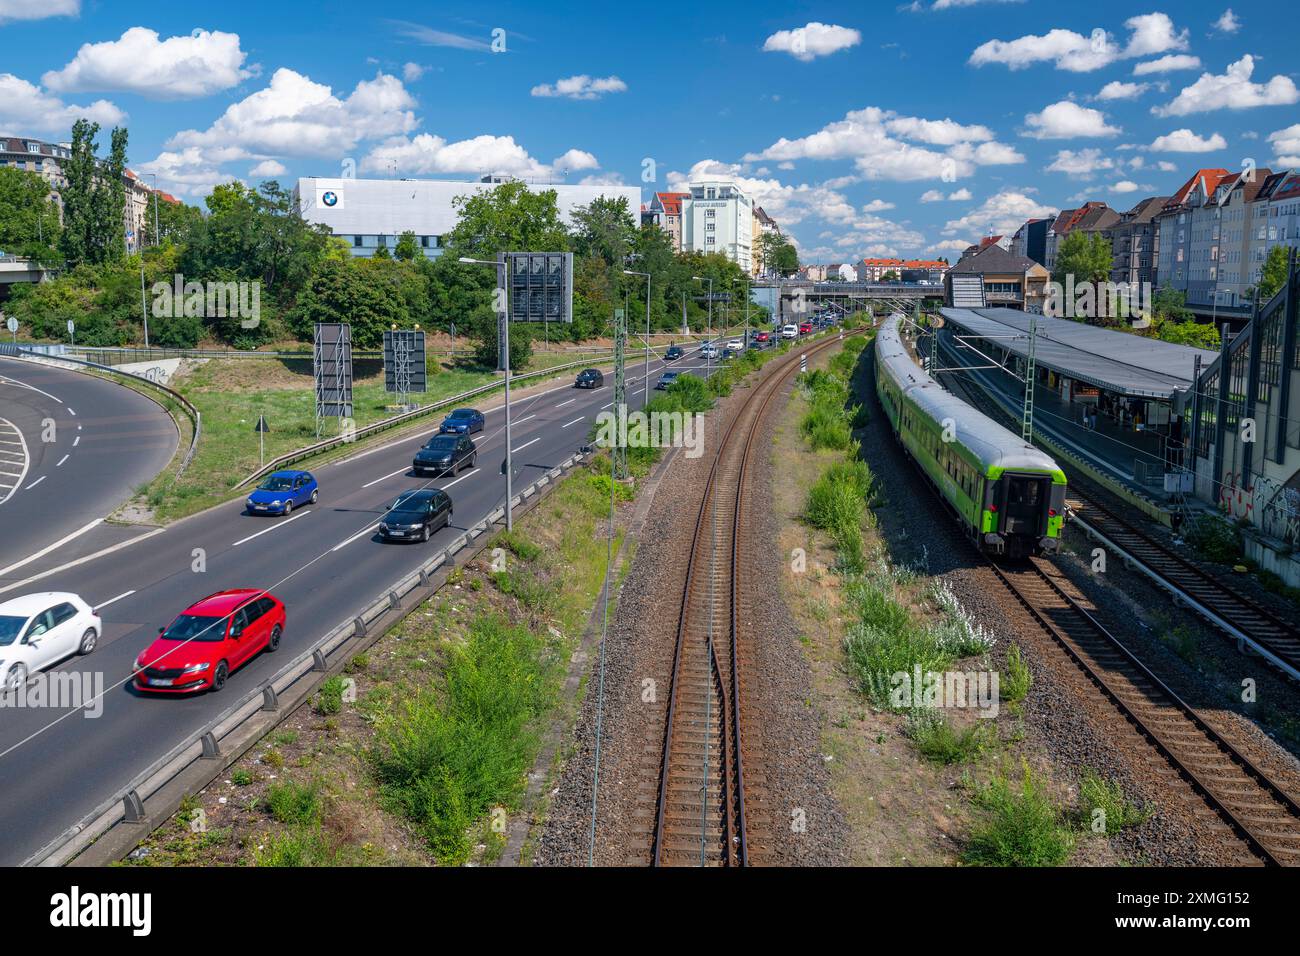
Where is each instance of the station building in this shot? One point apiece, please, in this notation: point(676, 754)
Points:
point(370, 214)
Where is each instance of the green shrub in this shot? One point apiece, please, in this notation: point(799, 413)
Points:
point(296, 848)
point(519, 546)
point(241, 778)
point(1104, 802)
point(1021, 828)
point(937, 741)
point(1016, 680)
point(296, 803)
point(329, 699)
point(1215, 539)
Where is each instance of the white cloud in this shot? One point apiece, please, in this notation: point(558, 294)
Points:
point(1287, 143)
point(932, 195)
point(26, 109)
point(935, 195)
point(602, 179)
point(1117, 90)
point(411, 72)
point(581, 87)
point(1168, 64)
point(878, 205)
point(951, 245)
point(808, 42)
point(1002, 214)
point(427, 154)
point(575, 160)
point(296, 116)
point(266, 169)
point(1126, 186)
point(1228, 22)
point(38, 9)
point(1232, 89)
point(1149, 34)
point(787, 204)
point(1083, 164)
point(1185, 141)
point(1166, 167)
point(874, 139)
point(961, 195)
point(1066, 120)
point(190, 171)
point(181, 67)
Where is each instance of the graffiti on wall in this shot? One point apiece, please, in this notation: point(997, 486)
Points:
point(1265, 502)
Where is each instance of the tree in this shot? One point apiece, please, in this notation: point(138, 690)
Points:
point(408, 247)
point(890, 276)
point(1170, 305)
point(29, 217)
point(347, 292)
point(176, 222)
point(1085, 256)
point(109, 203)
point(509, 218)
point(1272, 276)
point(77, 238)
point(778, 254)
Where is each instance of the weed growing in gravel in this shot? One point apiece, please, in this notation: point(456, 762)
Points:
point(1104, 805)
point(1016, 680)
point(936, 740)
point(451, 751)
point(1022, 828)
point(957, 630)
point(1215, 539)
point(838, 504)
point(291, 802)
point(329, 699)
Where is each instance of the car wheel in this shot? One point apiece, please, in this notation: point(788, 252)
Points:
point(288, 507)
point(274, 641)
point(473, 460)
point(88, 641)
point(219, 677)
point(315, 495)
point(16, 678)
point(424, 535)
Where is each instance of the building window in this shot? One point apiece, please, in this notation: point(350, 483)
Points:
point(356, 242)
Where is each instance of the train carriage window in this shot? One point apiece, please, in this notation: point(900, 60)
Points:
point(1026, 492)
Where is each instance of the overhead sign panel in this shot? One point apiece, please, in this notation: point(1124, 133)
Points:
point(332, 367)
point(404, 362)
point(541, 286)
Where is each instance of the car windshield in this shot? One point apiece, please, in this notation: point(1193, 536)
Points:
point(442, 443)
point(276, 483)
point(10, 628)
point(461, 414)
point(196, 627)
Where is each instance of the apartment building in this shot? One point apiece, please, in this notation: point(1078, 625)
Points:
point(763, 225)
point(1090, 217)
point(1135, 243)
point(1030, 240)
point(665, 211)
point(719, 217)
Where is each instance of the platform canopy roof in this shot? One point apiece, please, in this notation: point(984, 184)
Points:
point(1113, 360)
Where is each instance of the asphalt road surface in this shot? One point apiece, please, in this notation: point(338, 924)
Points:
point(325, 562)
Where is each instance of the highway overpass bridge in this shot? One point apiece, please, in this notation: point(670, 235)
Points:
point(14, 270)
point(791, 298)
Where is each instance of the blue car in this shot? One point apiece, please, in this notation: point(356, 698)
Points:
point(463, 421)
point(282, 491)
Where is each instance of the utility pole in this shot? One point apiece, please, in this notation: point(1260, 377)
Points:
point(144, 308)
point(646, 383)
point(1027, 413)
point(502, 265)
point(618, 453)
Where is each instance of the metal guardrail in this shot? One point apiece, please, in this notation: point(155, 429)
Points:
point(196, 418)
point(127, 806)
point(328, 444)
point(121, 355)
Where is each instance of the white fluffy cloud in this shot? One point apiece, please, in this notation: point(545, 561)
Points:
point(26, 109)
point(295, 116)
point(1081, 164)
point(182, 67)
point(427, 154)
point(1149, 34)
point(581, 87)
point(266, 169)
point(1228, 22)
point(1067, 120)
point(1118, 90)
point(936, 195)
point(411, 72)
point(808, 42)
point(875, 140)
point(1232, 89)
point(1287, 143)
point(878, 205)
point(191, 171)
point(1168, 64)
point(1002, 214)
point(785, 203)
point(575, 160)
point(1185, 141)
point(38, 9)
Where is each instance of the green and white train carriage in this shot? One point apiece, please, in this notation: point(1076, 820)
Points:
point(1008, 495)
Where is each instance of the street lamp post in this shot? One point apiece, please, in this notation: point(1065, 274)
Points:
point(503, 268)
point(708, 361)
point(646, 383)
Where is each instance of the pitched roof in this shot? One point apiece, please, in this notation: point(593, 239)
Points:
point(1146, 210)
point(993, 259)
point(1209, 178)
point(672, 202)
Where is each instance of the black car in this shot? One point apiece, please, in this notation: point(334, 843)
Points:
point(463, 421)
point(445, 454)
point(665, 381)
point(674, 353)
point(416, 515)
point(589, 378)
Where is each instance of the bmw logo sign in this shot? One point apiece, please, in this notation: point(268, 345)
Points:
point(330, 198)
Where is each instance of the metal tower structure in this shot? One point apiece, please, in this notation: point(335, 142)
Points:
point(1027, 413)
point(618, 454)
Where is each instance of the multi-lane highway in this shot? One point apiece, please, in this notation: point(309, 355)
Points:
point(72, 449)
point(325, 562)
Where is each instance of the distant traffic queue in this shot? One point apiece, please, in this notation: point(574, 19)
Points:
point(1008, 495)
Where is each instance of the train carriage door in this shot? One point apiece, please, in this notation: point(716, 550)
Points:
point(1025, 504)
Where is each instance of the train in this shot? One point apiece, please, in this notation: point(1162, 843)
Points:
point(1008, 496)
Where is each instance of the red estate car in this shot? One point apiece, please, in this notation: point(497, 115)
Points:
point(762, 337)
point(805, 328)
point(208, 640)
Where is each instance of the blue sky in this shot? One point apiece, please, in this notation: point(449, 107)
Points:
point(864, 129)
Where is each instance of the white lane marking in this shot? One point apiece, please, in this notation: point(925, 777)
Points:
point(525, 445)
point(48, 548)
point(400, 471)
point(72, 564)
point(71, 412)
point(6, 380)
point(35, 483)
point(62, 460)
point(574, 422)
point(520, 421)
point(76, 441)
point(21, 474)
point(569, 402)
point(277, 525)
point(364, 531)
point(473, 471)
point(124, 594)
point(603, 407)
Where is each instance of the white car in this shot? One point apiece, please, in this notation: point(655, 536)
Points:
point(39, 630)
point(709, 350)
point(789, 331)
point(735, 344)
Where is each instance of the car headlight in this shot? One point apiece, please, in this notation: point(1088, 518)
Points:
point(196, 668)
point(383, 526)
point(275, 503)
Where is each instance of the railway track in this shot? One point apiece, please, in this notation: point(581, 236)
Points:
point(702, 809)
point(1262, 814)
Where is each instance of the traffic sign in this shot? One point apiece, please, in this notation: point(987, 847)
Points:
point(11, 324)
point(72, 327)
point(262, 426)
